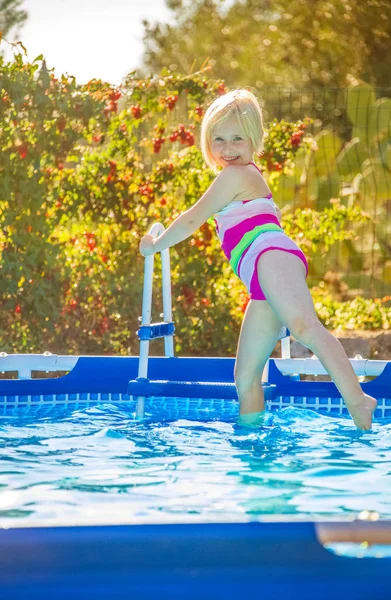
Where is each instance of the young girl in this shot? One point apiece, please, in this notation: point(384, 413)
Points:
point(270, 264)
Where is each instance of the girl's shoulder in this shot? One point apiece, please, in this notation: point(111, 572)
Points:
point(253, 183)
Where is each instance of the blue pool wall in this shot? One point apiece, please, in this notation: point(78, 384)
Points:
point(192, 561)
point(106, 379)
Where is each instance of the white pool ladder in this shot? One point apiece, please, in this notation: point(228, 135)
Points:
point(149, 331)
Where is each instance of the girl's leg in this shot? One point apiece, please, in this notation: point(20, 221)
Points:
point(282, 279)
point(258, 337)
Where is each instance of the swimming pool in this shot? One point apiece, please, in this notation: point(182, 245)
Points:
point(184, 502)
point(94, 464)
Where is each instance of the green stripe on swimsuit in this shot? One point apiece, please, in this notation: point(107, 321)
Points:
point(248, 239)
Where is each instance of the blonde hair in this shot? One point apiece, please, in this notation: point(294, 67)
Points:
point(248, 110)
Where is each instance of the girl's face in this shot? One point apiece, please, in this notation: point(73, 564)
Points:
point(229, 144)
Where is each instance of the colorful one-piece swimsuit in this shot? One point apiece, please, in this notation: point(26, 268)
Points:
point(247, 229)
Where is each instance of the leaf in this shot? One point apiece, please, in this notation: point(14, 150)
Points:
point(360, 99)
point(20, 44)
point(380, 120)
point(351, 157)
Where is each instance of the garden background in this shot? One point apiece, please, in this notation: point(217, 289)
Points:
point(86, 169)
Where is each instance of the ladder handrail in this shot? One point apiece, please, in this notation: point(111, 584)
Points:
point(155, 230)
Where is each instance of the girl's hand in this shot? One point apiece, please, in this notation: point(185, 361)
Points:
point(146, 245)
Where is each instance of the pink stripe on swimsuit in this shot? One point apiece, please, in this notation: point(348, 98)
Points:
point(247, 229)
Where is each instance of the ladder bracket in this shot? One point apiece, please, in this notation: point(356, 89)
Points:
point(155, 330)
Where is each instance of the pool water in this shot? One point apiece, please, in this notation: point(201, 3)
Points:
point(96, 464)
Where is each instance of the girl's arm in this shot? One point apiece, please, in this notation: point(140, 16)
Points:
point(177, 232)
point(228, 183)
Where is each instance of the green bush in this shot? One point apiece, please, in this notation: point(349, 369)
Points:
point(82, 180)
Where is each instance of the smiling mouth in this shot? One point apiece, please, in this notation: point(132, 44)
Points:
point(230, 158)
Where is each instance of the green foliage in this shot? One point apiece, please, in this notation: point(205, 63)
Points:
point(315, 230)
point(252, 42)
point(358, 314)
point(81, 181)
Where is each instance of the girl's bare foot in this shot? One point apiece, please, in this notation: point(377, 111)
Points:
point(361, 410)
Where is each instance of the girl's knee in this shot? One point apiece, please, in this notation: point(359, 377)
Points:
point(304, 329)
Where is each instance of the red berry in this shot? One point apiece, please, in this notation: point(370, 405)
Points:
point(115, 95)
point(146, 190)
point(157, 143)
point(296, 138)
point(136, 111)
point(170, 101)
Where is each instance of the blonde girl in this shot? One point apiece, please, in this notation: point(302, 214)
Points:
point(269, 263)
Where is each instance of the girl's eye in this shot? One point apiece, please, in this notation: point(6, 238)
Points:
point(219, 138)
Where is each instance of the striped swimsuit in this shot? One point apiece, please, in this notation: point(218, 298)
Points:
point(247, 229)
